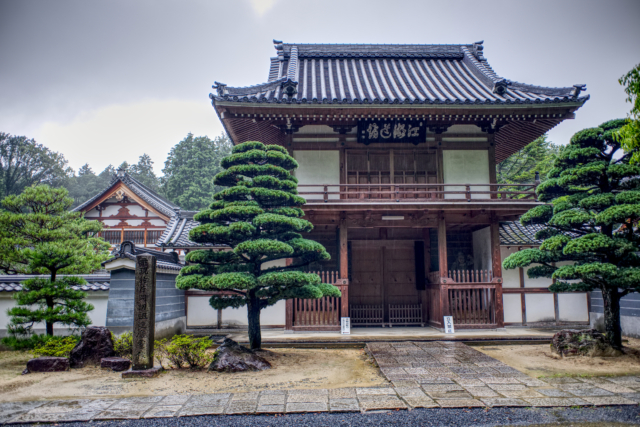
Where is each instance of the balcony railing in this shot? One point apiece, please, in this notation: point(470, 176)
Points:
point(411, 193)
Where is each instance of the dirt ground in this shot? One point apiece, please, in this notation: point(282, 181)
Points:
point(536, 361)
point(292, 368)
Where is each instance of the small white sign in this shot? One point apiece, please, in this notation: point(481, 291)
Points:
point(345, 325)
point(448, 325)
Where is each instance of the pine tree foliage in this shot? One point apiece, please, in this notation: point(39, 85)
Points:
point(258, 217)
point(521, 166)
point(38, 235)
point(629, 134)
point(591, 238)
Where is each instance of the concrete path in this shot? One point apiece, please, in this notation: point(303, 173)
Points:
point(422, 374)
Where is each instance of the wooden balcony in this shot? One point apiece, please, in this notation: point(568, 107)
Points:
point(417, 193)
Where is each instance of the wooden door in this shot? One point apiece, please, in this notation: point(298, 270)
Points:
point(399, 274)
point(366, 274)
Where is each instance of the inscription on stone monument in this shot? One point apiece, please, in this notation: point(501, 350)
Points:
point(144, 312)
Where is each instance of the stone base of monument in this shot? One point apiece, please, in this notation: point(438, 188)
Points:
point(143, 373)
point(47, 364)
point(117, 364)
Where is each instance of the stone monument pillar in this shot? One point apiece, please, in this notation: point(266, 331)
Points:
point(144, 312)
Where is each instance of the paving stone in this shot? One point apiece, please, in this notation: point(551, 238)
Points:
point(573, 386)
point(344, 405)
point(421, 402)
point(79, 416)
point(252, 395)
point(554, 392)
point(306, 407)
point(500, 380)
point(319, 391)
point(130, 412)
point(270, 409)
point(307, 398)
point(532, 382)
point(501, 401)
point(436, 380)
point(241, 407)
point(556, 401)
point(626, 380)
point(562, 380)
point(511, 387)
point(164, 411)
point(405, 383)
point(266, 392)
point(66, 406)
point(272, 399)
point(449, 395)
point(632, 396)
point(591, 391)
point(470, 382)
point(482, 392)
point(612, 387)
point(9, 410)
point(201, 410)
point(208, 399)
point(373, 402)
point(528, 392)
point(609, 400)
point(410, 392)
point(175, 399)
point(342, 393)
point(460, 403)
point(441, 387)
point(375, 391)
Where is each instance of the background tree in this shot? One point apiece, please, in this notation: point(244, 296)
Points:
point(629, 134)
point(84, 185)
point(592, 222)
point(23, 162)
point(143, 172)
point(259, 218)
point(38, 235)
point(190, 170)
point(521, 166)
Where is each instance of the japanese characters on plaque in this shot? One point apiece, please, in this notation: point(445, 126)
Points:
point(413, 131)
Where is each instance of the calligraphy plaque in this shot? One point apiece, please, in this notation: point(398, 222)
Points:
point(144, 312)
point(413, 131)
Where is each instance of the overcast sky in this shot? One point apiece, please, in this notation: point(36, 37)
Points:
point(106, 81)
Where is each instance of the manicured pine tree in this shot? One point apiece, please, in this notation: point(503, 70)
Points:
point(590, 239)
point(258, 217)
point(38, 235)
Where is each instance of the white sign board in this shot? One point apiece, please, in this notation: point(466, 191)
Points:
point(448, 325)
point(345, 325)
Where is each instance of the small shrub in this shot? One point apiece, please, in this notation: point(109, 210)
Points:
point(31, 342)
point(185, 350)
point(123, 345)
point(57, 346)
point(160, 352)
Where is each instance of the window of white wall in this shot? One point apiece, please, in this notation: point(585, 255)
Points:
point(318, 167)
point(466, 167)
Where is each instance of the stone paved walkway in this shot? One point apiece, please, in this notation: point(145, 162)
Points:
point(422, 374)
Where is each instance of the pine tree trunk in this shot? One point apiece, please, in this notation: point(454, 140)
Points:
point(253, 308)
point(49, 328)
point(611, 299)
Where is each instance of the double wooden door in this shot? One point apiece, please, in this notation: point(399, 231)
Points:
point(383, 274)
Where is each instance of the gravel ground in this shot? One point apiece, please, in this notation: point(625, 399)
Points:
point(602, 416)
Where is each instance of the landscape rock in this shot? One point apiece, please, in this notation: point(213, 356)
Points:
point(95, 344)
point(47, 364)
point(586, 342)
point(232, 357)
point(116, 364)
point(143, 373)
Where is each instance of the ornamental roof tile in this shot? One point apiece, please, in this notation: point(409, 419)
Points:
point(145, 193)
point(128, 250)
point(95, 282)
point(176, 234)
point(389, 74)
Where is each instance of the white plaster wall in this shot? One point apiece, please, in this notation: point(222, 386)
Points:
point(540, 282)
point(98, 315)
point(318, 167)
point(466, 167)
point(110, 210)
point(572, 307)
point(157, 222)
point(111, 222)
point(512, 308)
point(200, 313)
point(540, 308)
point(135, 222)
point(136, 210)
point(510, 278)
point(93, 213)
point(482, 249)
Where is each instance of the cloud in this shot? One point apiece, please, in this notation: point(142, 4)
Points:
point(116, 133)
point(260, 7)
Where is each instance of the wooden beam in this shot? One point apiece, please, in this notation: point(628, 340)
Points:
point(344, 250)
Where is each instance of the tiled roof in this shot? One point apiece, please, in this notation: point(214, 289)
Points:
point(389, 74)
point(176, 234)
point(128, 250)
point(95, 282)
point(514, 233)
point(158, 202)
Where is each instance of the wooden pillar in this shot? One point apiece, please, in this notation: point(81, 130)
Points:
point(496, 266)
point(442, 247)
point(424, 295)
point(344, 250)
point(439, 165)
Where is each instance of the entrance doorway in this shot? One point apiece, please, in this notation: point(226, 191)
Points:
point(383, 289)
